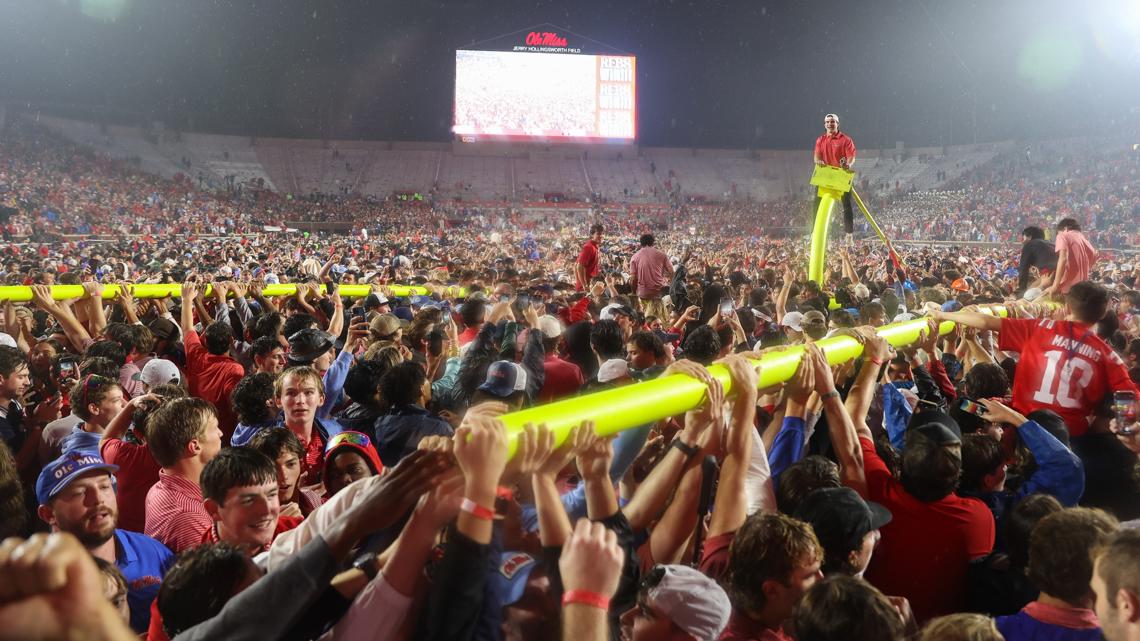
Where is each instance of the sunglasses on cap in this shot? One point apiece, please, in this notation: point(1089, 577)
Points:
point(349, 438)
point(92, 381)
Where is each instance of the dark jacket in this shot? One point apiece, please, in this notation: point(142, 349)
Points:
point(455, 603)
point(359, 418)
point(400, 430)
point(927, 389)
point(1037, 253)
point(996, 587)
point(533, 361)
point(280, 605)
point(12, 429)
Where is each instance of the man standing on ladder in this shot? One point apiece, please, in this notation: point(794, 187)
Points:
point(836, 148)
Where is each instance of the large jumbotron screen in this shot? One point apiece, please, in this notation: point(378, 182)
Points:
point(530, 95)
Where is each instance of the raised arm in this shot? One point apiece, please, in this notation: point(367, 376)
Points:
point(76, 333)
point(1058, 472)
point(977, 320)
point(204, 315)
point(840, 425)
point(876, 351)
point(652, 494)
point(553, 523)
point(221, 307)
point(336, 323)
point(93, 297)
point(186, 318)
point(117, 428)
point(126, 300)
point(731, 507)
point(594, 466)
point(481, 449)
point(1058, 274)
point(785, 291)
point(591, 569)
point(256, 286)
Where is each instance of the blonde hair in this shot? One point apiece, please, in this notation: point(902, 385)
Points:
point(961, 627)
point(301, 373)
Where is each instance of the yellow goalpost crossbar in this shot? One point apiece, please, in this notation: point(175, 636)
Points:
point(23, 293)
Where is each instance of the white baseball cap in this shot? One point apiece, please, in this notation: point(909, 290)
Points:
point(612, 370)
point(794, 320)
point(159, 371)
point(550, 326)
point(691, 600)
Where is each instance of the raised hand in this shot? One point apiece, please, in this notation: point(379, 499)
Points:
point(481, 448)
point(592, 559)
point(821, 370)
point(595, 458)
point(51, 589)
point(239, 289)
point(745, 375)
point(877, 348)
point(929, 338)
point(93, 289)
point(125, 297)
point(998, 412)
point(41, 298)
point(578, 440)
point(399, 489)
point(802, 384)
point(441, 505)
point(189, 292)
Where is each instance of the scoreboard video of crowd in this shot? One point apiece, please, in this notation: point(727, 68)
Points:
point(540, 87)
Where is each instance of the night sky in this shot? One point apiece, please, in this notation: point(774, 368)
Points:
point(745, 73)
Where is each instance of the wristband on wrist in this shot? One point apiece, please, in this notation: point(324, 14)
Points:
point(368, 565)
point(476, 510)
point(832, 394)
point(585, 597)
point(688, 450)
point(877, 361)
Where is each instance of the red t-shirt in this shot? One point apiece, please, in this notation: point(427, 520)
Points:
point(562, 379)
point(588, 258)
point(1080, 257)
point(651, 266)
point(831, 148)
point(155, 631)
point(1064, 367)
point(468, 335)
point(213, 378)
point(714, 564)
point(138, 471)
point(714, 555)
point(926, 549)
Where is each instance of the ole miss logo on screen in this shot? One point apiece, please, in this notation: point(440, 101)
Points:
point(545, 39)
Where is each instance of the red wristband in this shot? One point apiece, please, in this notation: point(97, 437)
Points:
point(585, 597)
point(876, 361)
point(476, 510)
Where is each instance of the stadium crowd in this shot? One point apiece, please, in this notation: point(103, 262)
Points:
point(231, 465)
point(993, 202)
